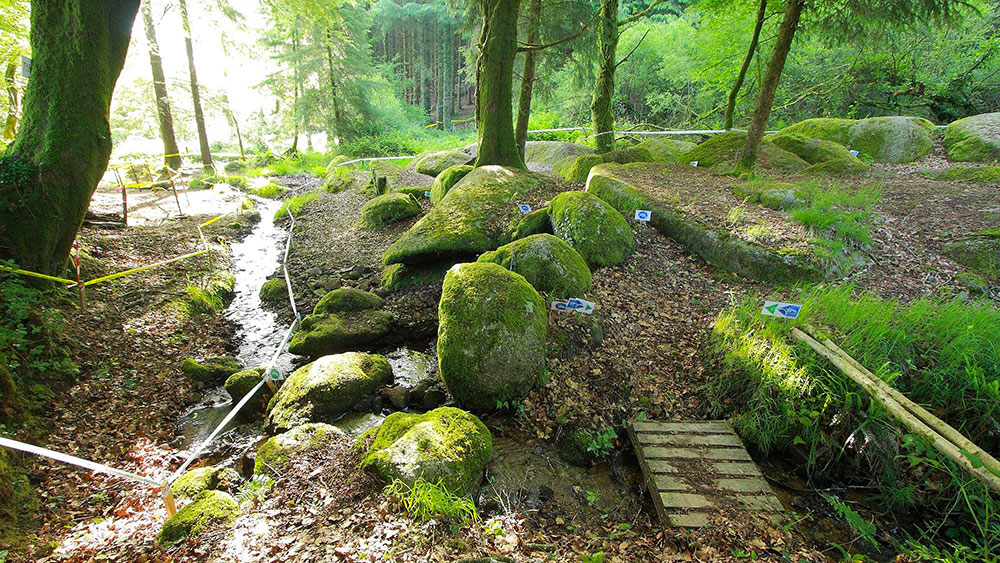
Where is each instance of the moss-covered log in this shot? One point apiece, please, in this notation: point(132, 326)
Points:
point(495, 84)
point(50, 171)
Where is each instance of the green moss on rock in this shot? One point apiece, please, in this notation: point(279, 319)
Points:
point(434, 163)
point(347, 299)
point(241, 383)
point(213, 371)
point(338, 177)
point(627, 155)
point(278, 454)
point(387, 209)
point(547, 263)
point(326, 389)
point(980, 254)
point(445, 445)
point(830, 129)
point(894, 139)
point(548, 153)
point(491, 335)
point(534, 223)
point(274, 290)
point(339, 332)
point(193, 482)
point(811, 150)
point(665, 150)
point(398, 276)
point(446, 180)
point(595, 229)
point(415, 191)
point(479, 214)
point(974, 139)
point(985, 174)
point(208, 508)
point(576, 168)
point(721, 151)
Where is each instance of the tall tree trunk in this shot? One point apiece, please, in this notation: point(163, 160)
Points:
point(527, 77)
point(10, 81)
point(334, 87)
point(171, 158)
point(495, 84)
point(60, 152)
point(735, 92)
point(601, 117)
point(293, 151)
point(446, 84)
point(769, 85)
point(199, 115)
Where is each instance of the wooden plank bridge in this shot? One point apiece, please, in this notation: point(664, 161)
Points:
point(694, 469)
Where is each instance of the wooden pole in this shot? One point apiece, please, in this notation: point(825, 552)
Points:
point(79, 284)
point(168, 499)
point(121, 186)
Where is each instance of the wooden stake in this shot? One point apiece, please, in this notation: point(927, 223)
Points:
point(121, 185)
point(168, 499)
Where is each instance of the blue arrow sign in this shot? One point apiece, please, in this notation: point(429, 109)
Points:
point(781, 310)
point(524, 208)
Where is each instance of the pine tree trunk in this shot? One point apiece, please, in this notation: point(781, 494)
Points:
point(446, 83)
point(769, 85)
point(527, 77)
point(601, 116)
point(334, 88)
point(199, 115)
point(61, 150)
point(10, 81)
point(171, 158)
point(494, 84)
point(735, 92)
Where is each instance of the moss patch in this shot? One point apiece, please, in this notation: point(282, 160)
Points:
point(347, 299)
point(193, 482)
point(595, 229)
point(665, 150)
point(534, 223)
point(838, 168)
point(830, 129)
point(327, 388)
point(985, 174)
point(576, 168)
point(398, 276)
point(446, 180)
point(809, 149)
point(894, 139)
point(277, 455)
point(241, 383)
point(491, 335)
point(338, 332)
point(274, 290)
point(209, 508)
point(549, 153)
point(547, 263)
point(721, 151)
point(213, 371)
point(974, 139)
point(434, 163)
point(446, 444)
point(980, 254)
point(387, 209)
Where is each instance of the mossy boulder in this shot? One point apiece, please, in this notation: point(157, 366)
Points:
point(336, 162)
point(241, 383)
point(208, 508)
point(416, 191)
point(628, 155)
point(775, 195)
point(193, 482)
point(838, 168)
point(665, 150)
point(548, 153)
point(974, 284)
point(274, 290)
point(278, 454)
point(595, 229)
point(399, 276)
point(347, 299)
point(576, 168)
point(491, 335)
point(326, 389)
point(985, 174)
point(980, 254)
point(339, 332)
point(546, 262)
point(722, 150)
point(479, 214)
point(811, 150)
point(446, 180)
point(445, 445)
point(534, 223)
point(893, 139)
point(830, 129)
point(387, 209)
point(974, 139)
point(434, 163)
point(211, 371)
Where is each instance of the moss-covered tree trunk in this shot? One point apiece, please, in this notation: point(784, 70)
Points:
point(10, 83)
point(172, 158)
point(741, 77)
point(60, 152)
point(199, 114)
point(601, 117)
point(495, 84)
point(527, 77)
point(769, 85)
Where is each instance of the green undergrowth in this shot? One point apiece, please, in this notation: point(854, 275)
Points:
point(941, 353)
point(433, 501)
point(270, 190)
point(311, 163)
point(296, 204)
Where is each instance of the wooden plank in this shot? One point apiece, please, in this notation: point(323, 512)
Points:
point(743, 485)
point(669, 483)
point(736, 468)
point(711, 426)
point(761, 502)
point(684, 500)
point(690, 439)
point(688, 520)
point(726, 454)
point(660, 466)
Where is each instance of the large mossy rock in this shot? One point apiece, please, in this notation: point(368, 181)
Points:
point(811, 150)
point(445, 445)
point(894, 139)
point(491, 335)
point(979, 253)
point(384, 210)
point(434, 163)
point(974, 139)
point(344, 319)
point(274, 290)
point(399, 276)
point(326, 389)
point(628, 155)
point(241, 383)
point(338, 177)
point(279, 453)
point(548, 153)
point(576, 168)
point(208, 508)
point(547, 263)
point(828, 128)
point(722, 150)
point(347, 299)
point(665, 150)
point(212, 371)
point(211, 478)
point(479, 214)
point(595, 229)
point(446, 180)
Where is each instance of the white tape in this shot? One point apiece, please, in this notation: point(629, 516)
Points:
point(73, 460)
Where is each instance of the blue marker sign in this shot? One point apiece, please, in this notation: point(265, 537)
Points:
point(524, 208)
point(577, 305)
point(643, 215)
point(427, 194)
point(781, 310)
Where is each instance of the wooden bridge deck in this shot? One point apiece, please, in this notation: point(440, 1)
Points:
point(693, 469)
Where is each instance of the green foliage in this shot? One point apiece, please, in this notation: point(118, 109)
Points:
point(429, 501)
point(198, 302)
point(270, 190)
point(861, 527)
point(296, 204)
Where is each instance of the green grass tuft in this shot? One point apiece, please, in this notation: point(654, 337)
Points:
point(296, 204)
point(426, 501)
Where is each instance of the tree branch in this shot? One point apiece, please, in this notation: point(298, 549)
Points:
point(525, 47)
point(633, 49)
point(641, 14)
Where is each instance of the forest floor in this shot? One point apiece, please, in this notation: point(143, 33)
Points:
point(644, 351)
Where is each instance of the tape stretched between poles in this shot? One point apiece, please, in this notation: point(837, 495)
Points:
point(79, 462)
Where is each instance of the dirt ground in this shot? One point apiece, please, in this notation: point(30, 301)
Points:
point(644, 351)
